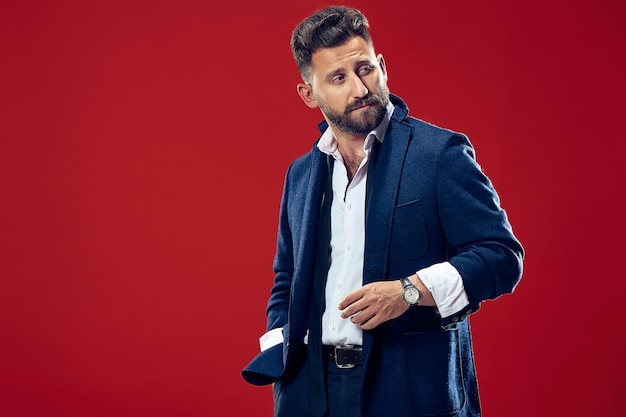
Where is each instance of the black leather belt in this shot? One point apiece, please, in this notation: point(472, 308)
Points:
point(345, 356)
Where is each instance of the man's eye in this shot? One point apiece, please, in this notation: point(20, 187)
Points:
point(365, 70)
point(337, 79)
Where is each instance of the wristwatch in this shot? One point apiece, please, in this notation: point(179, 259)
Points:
point(410, 293)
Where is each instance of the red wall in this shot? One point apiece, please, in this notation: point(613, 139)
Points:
point(142, 151)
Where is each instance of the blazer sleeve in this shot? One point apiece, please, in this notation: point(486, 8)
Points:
point(278, 303)
point(267, 366)
point(484, 249)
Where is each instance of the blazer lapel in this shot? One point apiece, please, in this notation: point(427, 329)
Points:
point(383, 182)
point(311, 204)
point(313, 199)
point(300, 301)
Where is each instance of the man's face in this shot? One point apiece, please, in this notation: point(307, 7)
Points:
point(349, 84)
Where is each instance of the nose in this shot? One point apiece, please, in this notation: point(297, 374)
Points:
point(359, 88)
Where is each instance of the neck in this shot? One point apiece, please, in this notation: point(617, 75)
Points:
point(351, 149)
point(348, 143)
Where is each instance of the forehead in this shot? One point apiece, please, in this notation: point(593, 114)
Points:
point(355, 50)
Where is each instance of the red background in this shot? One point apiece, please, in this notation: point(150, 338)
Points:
point(142, 153)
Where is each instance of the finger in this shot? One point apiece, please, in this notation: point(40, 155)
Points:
point(371, 323)
point(350, 299)
point(351, 310)
point(362, 316)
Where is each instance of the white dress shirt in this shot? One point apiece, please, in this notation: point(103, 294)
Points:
point(347, 236)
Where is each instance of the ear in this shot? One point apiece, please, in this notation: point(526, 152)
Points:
point(383, 66)
point(305, 92)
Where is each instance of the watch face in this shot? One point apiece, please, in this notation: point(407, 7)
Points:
point(411, 295)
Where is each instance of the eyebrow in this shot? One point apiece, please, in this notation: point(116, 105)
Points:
point(332, 74)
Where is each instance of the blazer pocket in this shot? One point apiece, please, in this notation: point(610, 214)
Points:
point(434, 372)
point(408, 233)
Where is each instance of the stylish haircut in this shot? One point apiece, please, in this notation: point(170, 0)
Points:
point(327, 28)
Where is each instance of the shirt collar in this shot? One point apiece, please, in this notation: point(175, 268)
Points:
point(328, 143)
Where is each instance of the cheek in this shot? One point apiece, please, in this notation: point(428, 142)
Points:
point(333, 100)
point(378, 84)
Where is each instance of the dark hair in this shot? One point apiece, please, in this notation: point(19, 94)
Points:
point(327, 28)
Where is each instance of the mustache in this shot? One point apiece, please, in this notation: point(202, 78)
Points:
point(365, 101)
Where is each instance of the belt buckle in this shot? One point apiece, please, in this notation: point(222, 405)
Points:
point(343, 366)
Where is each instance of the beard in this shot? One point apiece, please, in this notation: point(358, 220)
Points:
point(363, 122)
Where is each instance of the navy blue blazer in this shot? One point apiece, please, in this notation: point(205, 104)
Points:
point(427, 202)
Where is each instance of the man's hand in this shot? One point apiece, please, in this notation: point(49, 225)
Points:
point(380, 301)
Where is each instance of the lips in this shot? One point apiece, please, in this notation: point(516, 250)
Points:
point(361, 104)
point(360, 108)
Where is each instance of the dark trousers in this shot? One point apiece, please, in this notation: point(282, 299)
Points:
point(343, 393)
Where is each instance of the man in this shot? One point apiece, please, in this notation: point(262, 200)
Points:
point(389, 237)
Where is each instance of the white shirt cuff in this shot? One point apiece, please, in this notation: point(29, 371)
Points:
point(271, 338)
point(446, 285)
